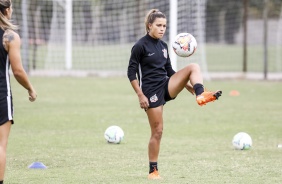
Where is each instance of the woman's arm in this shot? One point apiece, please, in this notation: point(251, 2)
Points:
point(135, 57)
point(12, 42)
point(168, 66)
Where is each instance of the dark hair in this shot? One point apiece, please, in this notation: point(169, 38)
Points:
point(151, 17)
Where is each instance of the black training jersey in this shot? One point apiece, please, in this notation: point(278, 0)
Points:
point(150, 61)
point(5, 88)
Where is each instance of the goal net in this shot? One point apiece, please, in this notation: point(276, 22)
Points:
point(95, 37)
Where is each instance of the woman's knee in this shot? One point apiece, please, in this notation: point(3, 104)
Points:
point(193, 67)
point(157, 133)
point(3, 144)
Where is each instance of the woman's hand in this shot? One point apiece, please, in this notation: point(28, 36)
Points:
point(143, 101)
point(32, 95)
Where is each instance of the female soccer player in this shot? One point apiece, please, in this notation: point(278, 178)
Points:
point(9, 56)
point(158, 83)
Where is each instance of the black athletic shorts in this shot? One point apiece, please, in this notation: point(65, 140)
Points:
point(6, 110)
point(159, 96)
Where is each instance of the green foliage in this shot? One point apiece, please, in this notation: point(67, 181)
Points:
point(64, 130)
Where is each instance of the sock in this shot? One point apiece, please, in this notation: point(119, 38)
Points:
point(198, 88)
point(1, 182)
point(153, 165)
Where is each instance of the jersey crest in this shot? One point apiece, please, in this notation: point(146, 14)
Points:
point(154, 98)
point(165, 53)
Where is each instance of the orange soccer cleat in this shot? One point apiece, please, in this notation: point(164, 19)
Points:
point(154, 175)
point(208, 96)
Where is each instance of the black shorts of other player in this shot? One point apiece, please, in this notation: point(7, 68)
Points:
point(6, 110)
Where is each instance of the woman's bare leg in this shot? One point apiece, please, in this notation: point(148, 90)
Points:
point(192, 74)
point(179, 80)
point(4, 134)
point(155, 117)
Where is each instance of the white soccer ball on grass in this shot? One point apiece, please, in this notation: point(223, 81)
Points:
point(114, 134)
point(242, 141)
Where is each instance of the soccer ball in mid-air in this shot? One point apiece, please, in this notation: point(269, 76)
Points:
point(114, 134)
point(184, 44)
point(242, 141)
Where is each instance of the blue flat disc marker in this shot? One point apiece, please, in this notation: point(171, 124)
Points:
point(37, 165)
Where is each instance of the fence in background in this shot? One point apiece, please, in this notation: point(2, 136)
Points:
point(94, 37)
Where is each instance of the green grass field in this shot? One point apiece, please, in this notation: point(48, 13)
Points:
point(64, 130)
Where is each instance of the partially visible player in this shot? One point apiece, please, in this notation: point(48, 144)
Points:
point(9, 56)
point(158, 83)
